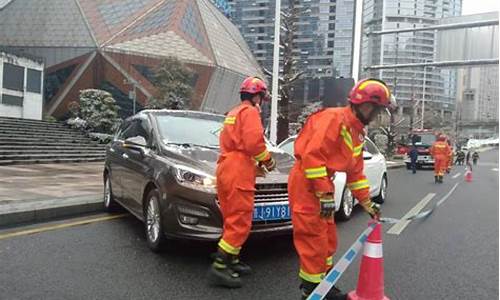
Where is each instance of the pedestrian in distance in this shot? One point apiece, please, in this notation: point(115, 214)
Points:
point(475, 157)
point(441, 152)
point(467, 158)
point(243, 154)
point(331, 141)
point(413, 154)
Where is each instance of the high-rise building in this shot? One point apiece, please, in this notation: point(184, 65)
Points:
point(324, 35)
point(479, 94)
point(437, 86)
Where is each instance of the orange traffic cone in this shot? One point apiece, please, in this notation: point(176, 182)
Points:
point(371, 273)
point(468, 175)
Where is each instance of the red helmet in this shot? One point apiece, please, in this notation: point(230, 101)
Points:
point(373, 91)
point(441, 138)
point(254, 85)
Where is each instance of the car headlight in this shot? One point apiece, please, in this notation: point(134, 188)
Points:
point(195, 179)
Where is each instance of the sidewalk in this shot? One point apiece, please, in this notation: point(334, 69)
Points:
point(38, 192)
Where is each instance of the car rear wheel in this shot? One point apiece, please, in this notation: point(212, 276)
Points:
point(109, 202)
point(346, 205)
point(153, 222)
point(383, 191)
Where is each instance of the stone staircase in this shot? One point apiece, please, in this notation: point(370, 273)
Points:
point(25, 141)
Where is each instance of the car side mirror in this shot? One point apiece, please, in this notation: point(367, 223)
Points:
point(367, 155)
point(137, 143)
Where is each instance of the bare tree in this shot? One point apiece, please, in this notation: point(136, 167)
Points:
point(290, 74)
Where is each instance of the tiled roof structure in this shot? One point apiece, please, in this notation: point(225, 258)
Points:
point(103, 38)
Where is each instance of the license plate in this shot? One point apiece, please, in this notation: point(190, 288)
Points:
point(271, 212)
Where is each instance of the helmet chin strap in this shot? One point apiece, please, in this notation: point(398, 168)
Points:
point(360, 116)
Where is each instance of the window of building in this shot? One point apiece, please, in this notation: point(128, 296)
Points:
point(12, 100)
point(55, 80)
point(13, 77)
point(34, 81)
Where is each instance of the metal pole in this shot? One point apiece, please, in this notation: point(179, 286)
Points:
point(357, 40)
point(276, 72)
point(423, 97)
point(134, 96)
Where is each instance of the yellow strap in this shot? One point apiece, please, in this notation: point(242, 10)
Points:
point(347, 137)
point(358, 150)
point(230, 120)
point(314, 278)
point(313, 173)
point(262, 156)
point(358, 185)
point(329, 261)
point(228, 248)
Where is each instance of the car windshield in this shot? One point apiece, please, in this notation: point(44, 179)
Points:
point(189, 130)
point(425, 139)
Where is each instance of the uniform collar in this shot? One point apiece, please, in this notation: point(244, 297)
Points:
point(247, 102)
point(353, 121)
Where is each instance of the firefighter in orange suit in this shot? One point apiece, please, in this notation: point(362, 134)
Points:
point(243, 152)
point(441, 152)
point(331, 141)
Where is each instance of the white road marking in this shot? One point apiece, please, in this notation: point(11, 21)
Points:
point(495, 169)
point(456, 175)
point(400, 226)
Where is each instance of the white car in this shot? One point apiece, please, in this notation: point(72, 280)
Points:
point(375, 171)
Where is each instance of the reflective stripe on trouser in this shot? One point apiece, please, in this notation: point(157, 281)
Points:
point(236, 202)
point(315, 238)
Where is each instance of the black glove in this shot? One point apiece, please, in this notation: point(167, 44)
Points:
point(269, 164)
point(327, 204)
point(372, 208)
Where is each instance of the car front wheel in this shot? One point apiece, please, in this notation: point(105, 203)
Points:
point(383, 191)
point(346, 205)
point(109, 202)
point(153, 222)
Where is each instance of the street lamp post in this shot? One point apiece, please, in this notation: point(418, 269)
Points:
point(276, 71)
point(423, 98)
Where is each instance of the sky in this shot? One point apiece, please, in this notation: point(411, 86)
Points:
point(470, 7)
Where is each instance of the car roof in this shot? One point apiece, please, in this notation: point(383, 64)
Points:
point(180, 113)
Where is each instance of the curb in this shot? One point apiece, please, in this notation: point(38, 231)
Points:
point(18, 212)
point(396, 166)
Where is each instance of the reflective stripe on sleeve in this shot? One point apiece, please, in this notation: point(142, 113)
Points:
point(262, 156)
point(313, 173)
point(358, 185)
point(329, 261)
point(230, 120)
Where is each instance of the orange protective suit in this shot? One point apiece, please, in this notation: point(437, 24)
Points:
point(441, 152)
point(331, 141)
point(242, 144)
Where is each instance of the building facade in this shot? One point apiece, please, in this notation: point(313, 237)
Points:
point(21, 86)
point(437, 86)
point(479, 95)
point(324, 35)
point(115, 45)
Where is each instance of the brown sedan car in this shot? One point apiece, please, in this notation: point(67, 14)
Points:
point(161, 167)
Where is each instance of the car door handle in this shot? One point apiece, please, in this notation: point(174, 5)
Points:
point(124, 155)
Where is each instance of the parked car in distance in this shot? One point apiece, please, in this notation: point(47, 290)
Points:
point(375, 171)
point(161, 168)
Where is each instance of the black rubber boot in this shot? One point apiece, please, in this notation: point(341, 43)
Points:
point(436, 179)
point(240, 267)
point(221, 273)
point(441, 179)
point(334, 294)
